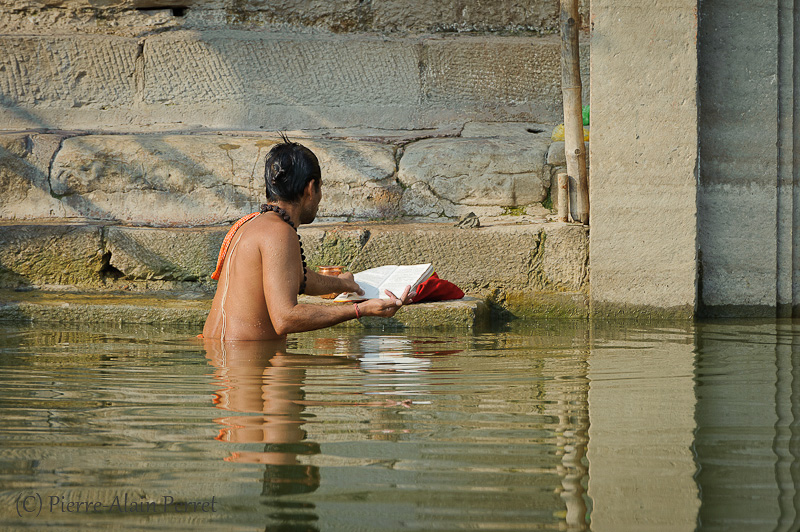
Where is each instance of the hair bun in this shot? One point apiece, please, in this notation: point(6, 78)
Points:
point(278, 172)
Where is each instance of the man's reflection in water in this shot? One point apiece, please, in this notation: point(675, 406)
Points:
point(264, 382)
point(262, 378)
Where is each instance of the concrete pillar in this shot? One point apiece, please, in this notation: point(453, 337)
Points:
point(643, 153)
point(746, 194)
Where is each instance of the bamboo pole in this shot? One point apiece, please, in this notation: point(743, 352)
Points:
point(573, 117)
point(563, 198)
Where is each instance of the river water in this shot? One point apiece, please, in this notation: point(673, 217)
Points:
point(552, 425)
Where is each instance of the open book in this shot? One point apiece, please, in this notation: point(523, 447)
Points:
point(393, 278)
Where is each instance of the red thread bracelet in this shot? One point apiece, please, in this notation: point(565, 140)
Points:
point(358, 314)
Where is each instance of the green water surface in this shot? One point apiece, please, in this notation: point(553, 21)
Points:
point(553, 425)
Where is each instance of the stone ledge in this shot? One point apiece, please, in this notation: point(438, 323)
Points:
point(528, 269)
point(192, 309)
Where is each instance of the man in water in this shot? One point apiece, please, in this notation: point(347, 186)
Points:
point(263, 271)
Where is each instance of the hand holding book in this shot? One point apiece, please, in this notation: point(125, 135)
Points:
point(385, 308)
point(385, 282)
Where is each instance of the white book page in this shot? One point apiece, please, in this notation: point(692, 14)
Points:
point(370, 282)
point(404, 276)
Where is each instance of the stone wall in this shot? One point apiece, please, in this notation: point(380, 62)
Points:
point(207, 179)
point(133, 132)
point(252, 65)
point(153, 112)
point(527, 269)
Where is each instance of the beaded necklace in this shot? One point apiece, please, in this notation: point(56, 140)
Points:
point(282, 213)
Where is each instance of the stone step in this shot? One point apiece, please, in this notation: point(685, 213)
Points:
point(191, 310)
point(527, 268)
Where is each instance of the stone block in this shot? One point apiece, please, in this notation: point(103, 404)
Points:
point(454, 15)
point(477, 71)
point(63, 72)
point(564, 257)
point(531, 270)
point(736, 243)
point(463, 256)
point(466, 313)
point(527, 130)
point(51, 254)
point(534, 269)
point(175, 308)
point(25, 176)
point(556, 156)
point(208, 179)
point(117, 307)
point(478, 172)
point(279, 79)
point(143, 253)
point(241, 68)
point(332, 246)
point(339, 16)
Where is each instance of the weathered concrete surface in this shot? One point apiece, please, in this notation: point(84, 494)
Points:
point(187, 254)
point(166, 307)
point(109, 307)
point(54, 254)
point(236, 66)
point(643, 149)
point(327, 245)
point(67, 71)
point(747, 220)
point(246, 80)
point(505, 263)
point(527, 270)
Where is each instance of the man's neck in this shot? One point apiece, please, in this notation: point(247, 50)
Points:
point(292, 209)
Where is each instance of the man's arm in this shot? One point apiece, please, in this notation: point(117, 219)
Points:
point(282, 275)
point(319, 285)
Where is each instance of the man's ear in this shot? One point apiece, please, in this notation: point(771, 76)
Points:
point(309, 189)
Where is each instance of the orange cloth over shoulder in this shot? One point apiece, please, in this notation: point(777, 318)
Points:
point(227, 242)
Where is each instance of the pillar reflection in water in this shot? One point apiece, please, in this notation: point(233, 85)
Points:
point(641, 415)
point(747, 442)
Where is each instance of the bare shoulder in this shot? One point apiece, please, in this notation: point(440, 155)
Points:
point(270, 234)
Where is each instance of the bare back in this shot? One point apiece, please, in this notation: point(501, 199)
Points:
point(239, 310)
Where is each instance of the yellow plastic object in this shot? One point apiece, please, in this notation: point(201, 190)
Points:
point(558, 134)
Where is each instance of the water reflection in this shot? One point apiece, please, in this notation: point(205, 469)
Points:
point(748, 437)
point(262, 385)
point(641, 408)
point(467, 436)
point(261, 378)
point(556, 426)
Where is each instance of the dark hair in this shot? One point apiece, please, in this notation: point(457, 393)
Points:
point(288, 169)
